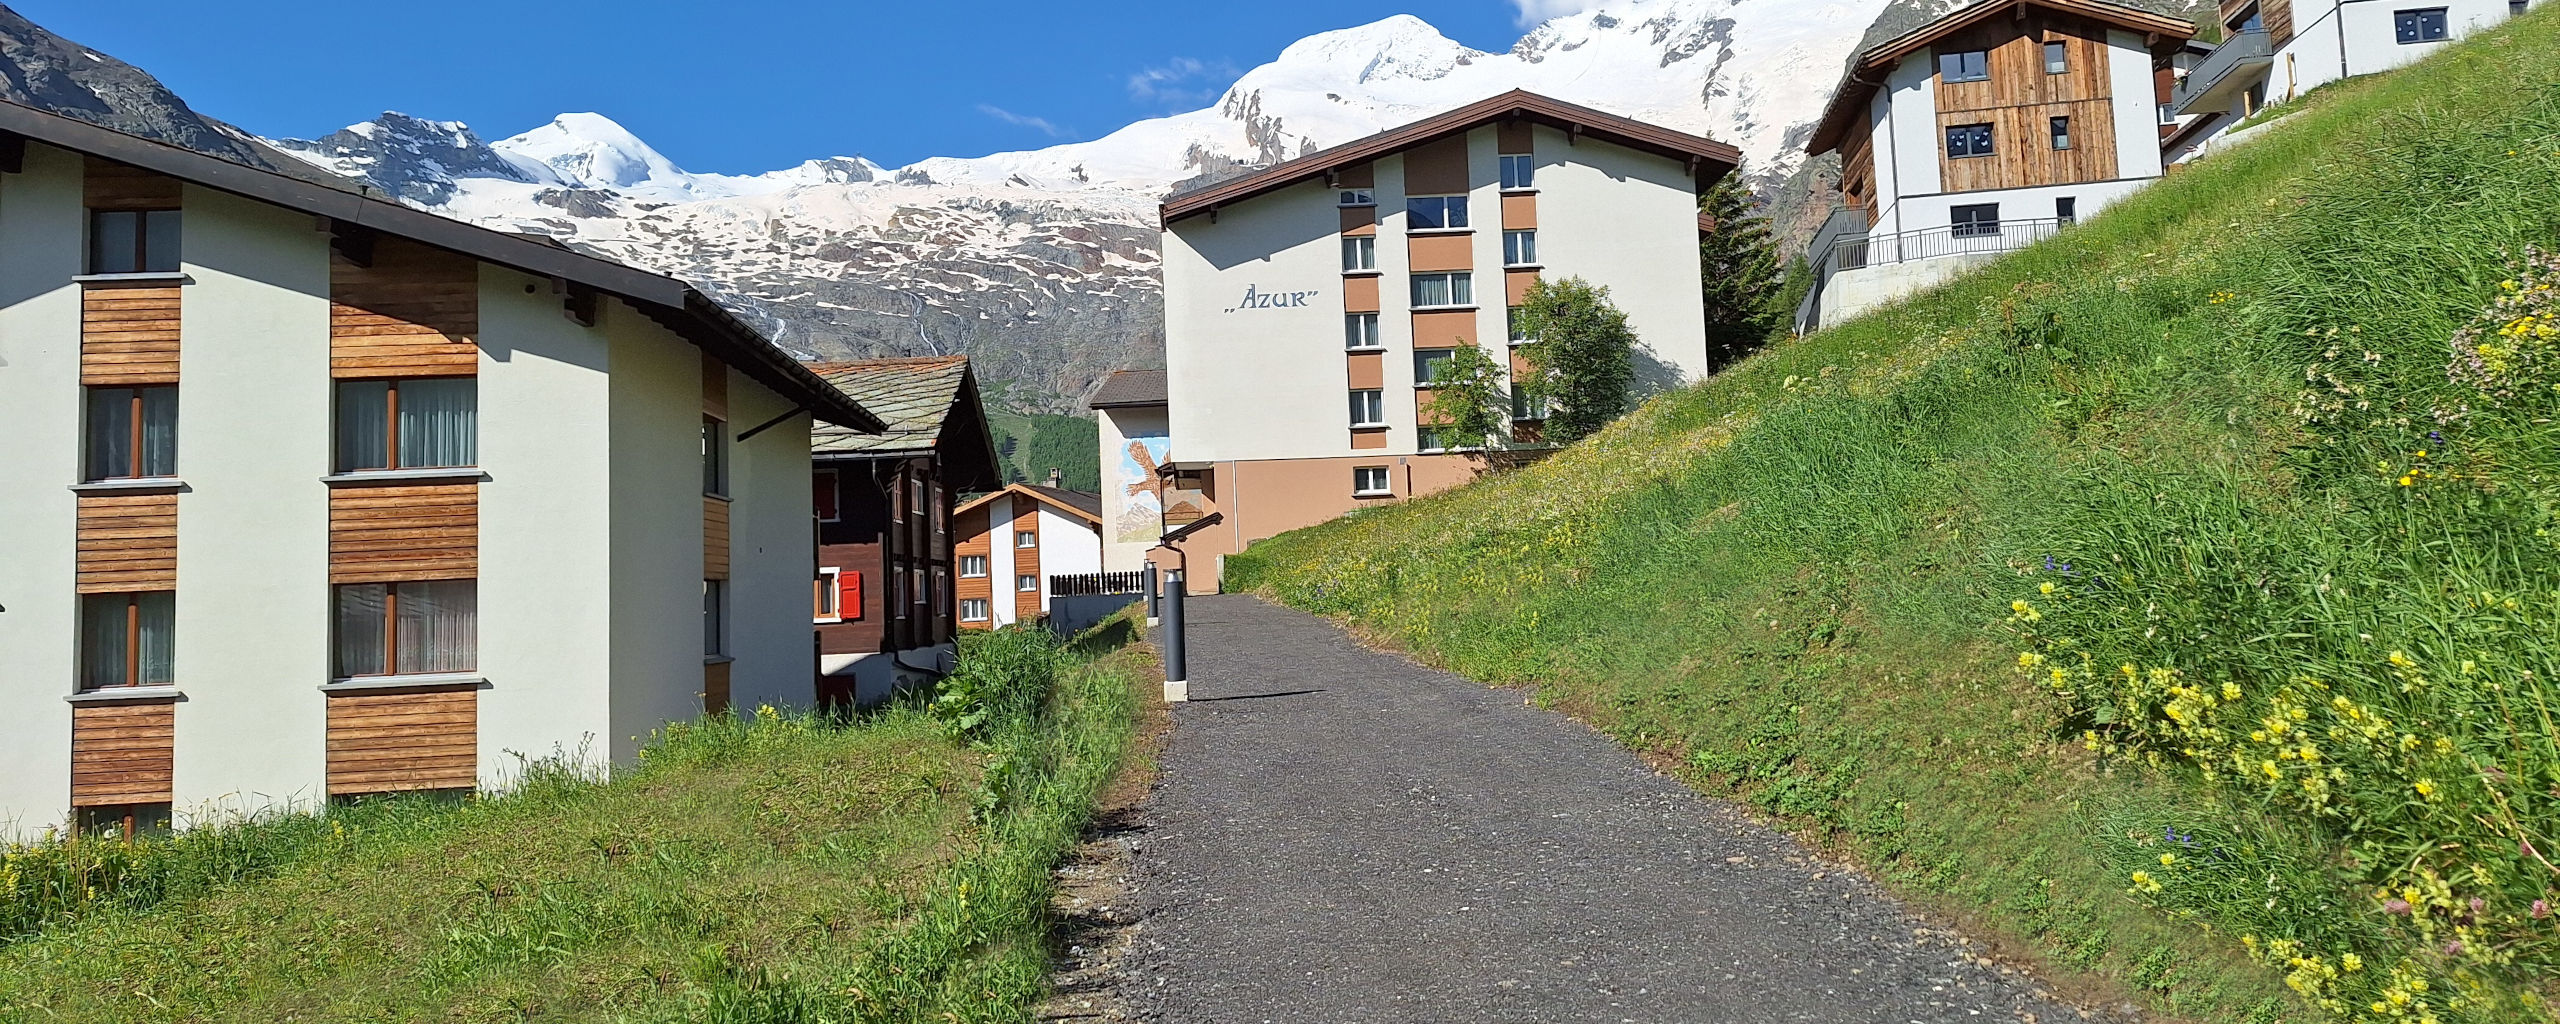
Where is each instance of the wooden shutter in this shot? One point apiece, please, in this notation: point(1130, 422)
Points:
point(715, 538)
point(397, 741)
point(849, 595)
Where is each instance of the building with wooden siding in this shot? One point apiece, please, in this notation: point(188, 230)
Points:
point(883, 607)
point(1982, 132)
point(2275, 50)
point(1309, 305)
point(1013, 541)
point(309, 495)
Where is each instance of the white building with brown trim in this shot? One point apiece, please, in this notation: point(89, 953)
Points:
point(1980, 133)
point(1308, 304)
point(310, 495)
point(2273, 51)
point(1011, 543)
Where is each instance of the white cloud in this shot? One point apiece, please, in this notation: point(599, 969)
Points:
point(1041, 125)
point(1534, 12)
point(1181, 82)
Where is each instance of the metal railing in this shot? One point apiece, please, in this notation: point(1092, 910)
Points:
point(2234, 52)
point(1098, 584)
point(1860, 251)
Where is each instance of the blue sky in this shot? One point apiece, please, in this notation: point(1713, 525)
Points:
point(761, 85)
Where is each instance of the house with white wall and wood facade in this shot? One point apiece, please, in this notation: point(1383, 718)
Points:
point(1980, 133)
point(1014, 542)
point(2273, 51)
point(312, 496)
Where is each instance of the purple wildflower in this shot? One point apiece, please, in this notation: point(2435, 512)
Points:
point(2541, 909)
point(2453, 948)
point(2395, 906)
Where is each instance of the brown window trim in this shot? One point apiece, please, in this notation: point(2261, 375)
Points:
point(391, 424)
point(141, 238)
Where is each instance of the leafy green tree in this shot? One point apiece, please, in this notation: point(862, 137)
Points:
point(1583, 358)
point(1738, 268)
point(1469, 402)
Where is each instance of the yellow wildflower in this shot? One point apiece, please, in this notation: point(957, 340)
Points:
point(2426, 788)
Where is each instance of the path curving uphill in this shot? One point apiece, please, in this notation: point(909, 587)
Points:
point(1340, 835)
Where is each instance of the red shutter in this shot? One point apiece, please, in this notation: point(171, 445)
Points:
point(849, 596)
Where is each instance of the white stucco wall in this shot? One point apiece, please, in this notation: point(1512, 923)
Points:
point(40, 399)
point(546, 585)
point(254, 400)
point(1000, 513)
point(2358, 37)
point(1627, 221)
point(772, 548)
point(1907, 141)
point(1257, 382)
point(2136, 104)
point(1127, 534)
point(655, 402)
point(1068, 547)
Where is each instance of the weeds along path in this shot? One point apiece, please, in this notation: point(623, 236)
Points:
point(1341, 835)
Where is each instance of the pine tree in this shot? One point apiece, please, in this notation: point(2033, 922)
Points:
point(1583, 360)
point(1738, 264)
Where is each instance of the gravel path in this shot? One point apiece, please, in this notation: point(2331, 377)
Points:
point(1340, 835)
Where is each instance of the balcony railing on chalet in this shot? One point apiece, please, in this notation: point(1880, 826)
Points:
point(1860, 251)
point(2246, 49)
point(1098, 584)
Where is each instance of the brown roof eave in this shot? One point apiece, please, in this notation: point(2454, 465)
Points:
point(1710, 159)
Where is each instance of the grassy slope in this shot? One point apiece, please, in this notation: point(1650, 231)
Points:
point(1793, 579)
point(778, 869)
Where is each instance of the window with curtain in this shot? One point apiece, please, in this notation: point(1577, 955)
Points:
point(1431, 365)
point(1518, 172)
point(408, 628)
point(424, 423)
point(1359, 253)
point(133, 241)
point(1520, 248)
point(132, 432)
point(1360, 331)
point(1456, 289)
point(128, 639)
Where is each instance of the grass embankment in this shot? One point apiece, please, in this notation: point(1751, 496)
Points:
point(775, 868)
point(2284, 553)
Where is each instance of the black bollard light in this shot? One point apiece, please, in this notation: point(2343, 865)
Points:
point(1177, 681)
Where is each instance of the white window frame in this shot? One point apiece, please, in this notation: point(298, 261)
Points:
point(833, 577)
point(1351, 198)
point(964, 567)
point(1359, 475)
point(1021, 578)
point(1354, 339)
point(1359, 254)
point(1427, 441)
point(1422, 360)
point(985, 609)
point(1519, 172)
point(1454, 277)
point(1464, 208)
point(1529, 248)
point(1025, 539)
point(1368, 412)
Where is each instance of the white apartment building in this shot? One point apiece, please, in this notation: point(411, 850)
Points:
point(309, 495)
point(1308, 305)
point(1982, 132)
point(2275, 50)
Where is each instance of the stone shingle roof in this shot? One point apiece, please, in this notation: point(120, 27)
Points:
point(1125, 388)
point(912, 397)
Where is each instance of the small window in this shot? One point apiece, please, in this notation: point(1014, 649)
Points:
point(941, 592)
point(2057, 59)
point(1358, 197)
point(915, 496)
point(2061, 128)
point(715, 457)
point(973, 609)
point(1526, 406)
point(1441, 290)
point(1435, 213)
point(1369, 481)
point(1431, 365)
point(2168, 113)
point(1359, 253)
point(1520, 248)
point(133, 241)
point(1026, 584)
point(425, 423)
point(128, 640)
point(1360, 331)
point(1518, 172)
point(1979, 221)
point(826, 596)
point(938, 518)
point(132, 432)
point(2426, 25)
point(824, 496)
point(2066, 209)
point(1427, 441)
point(1968, 140)
point(1519, 327)
point(385, 629)
point(1965, 66)
point(1026, 538)
point(1368, 408)
point(973, 567)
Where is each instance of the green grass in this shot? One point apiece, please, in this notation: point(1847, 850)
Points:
point(2191, 417)
point(776, 868)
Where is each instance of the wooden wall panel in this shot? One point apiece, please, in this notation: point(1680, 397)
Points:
point(1436, 168)
point(2023, 154)
point(1357, 176)
point(2016, 51)
point(715, 688)
point(404, 532)
point(1360, 294)
point(1428, 253)
point(2277, 15)
point(414, 313)
point(127, 543)
point(123, 753)
point(715, 538)
point(1367, 371)
point(1365, 440)
point(1515, 285)
point(1520, 211)
point(973, 537)
point(1359, 220)
point(1026, 562)
point(109, 185)
point(1513, 138)
point(128, 336)
point(403, 740)
point(1447, 329)
point(2020, 99)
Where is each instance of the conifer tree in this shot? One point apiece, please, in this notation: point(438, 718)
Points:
point(1738, 263)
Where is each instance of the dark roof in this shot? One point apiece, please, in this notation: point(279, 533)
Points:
point(1708, 159)
point(1849, 101)
point(914, 398)
point(1126, 389)
point(672, 303)
point(1085, 504)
